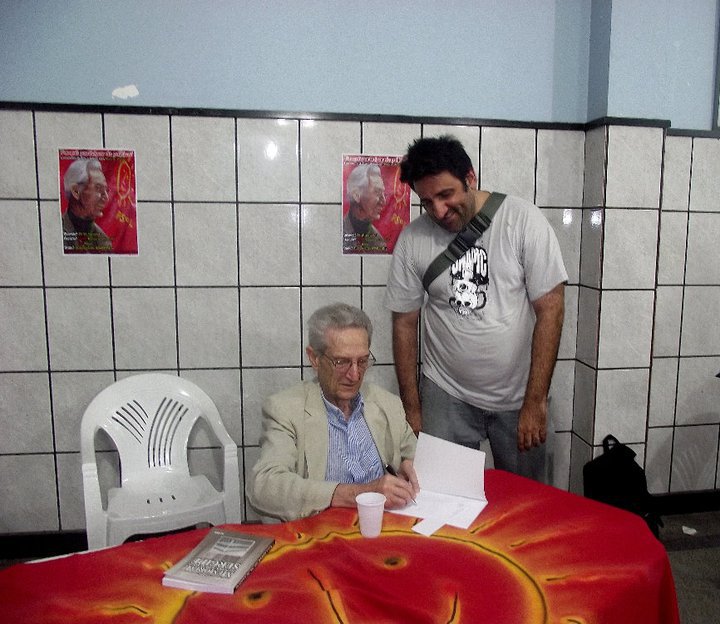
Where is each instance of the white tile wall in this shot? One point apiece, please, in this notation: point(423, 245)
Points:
point(372, 303)
point(25, 413)
point(629, 250)
point(207, 326)
point(584, 401)
point(658, 459)
point(671, 254)
point(676, 173)
point(700, 325)
point(588, 326)
point(507, 161)
point(17, 158)
point(558, 463)
point(271, 326)
point(561, 396)
point(268, 160)
point(625, 328)
point(560, 170)
point(143, 337)
point(79, 329)
point(663, 392)
point(591, 250)
point(568, 339)
point(705, 176)
point(269, 238)
point(697, 396)
point(685, 323)
point(29, 495)
point(200, 230)
point(702, 244)
point(20, 244)
point(203, 159)
point(239, 231)
point(658, 293)
point(595, 167)
point(70, 491)
point(668, 315)
point(621, 405)
point(22, 326)
point(634, 167)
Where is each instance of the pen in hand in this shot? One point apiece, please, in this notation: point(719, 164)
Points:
point(391, 471)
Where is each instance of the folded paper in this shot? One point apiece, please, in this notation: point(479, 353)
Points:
point(452, 485)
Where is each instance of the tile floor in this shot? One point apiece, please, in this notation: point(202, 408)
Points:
point(695, 562)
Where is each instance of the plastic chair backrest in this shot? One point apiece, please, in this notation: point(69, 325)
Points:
point(149, 417)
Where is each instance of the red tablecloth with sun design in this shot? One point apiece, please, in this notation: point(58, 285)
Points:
point(536, 554)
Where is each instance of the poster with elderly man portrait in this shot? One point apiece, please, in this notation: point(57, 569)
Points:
point(98, 201)
point(376, 205)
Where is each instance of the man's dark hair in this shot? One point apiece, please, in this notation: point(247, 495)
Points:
point(432, 156)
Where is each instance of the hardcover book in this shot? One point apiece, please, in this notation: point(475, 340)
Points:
point(219, 563)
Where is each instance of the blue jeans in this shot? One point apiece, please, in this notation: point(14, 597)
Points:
point(451, 419)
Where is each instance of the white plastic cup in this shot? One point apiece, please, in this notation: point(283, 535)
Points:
point(371, 506)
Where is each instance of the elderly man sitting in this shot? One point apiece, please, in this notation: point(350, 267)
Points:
point(326, 441)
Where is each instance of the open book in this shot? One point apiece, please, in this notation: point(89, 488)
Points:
point(219, 563)
point(452, 485)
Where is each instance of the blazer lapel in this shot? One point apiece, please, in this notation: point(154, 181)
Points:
point(375, 420)
point(316, 428)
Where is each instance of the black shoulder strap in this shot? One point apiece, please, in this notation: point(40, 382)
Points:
point(464, 240)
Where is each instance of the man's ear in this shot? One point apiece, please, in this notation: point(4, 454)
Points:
point(313, 357)
point(75, 191)
point(471, 179)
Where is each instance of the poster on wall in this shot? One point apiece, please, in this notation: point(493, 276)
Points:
point(98, 201)
point(376, 204)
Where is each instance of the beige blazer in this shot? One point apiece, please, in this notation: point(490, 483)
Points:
point(288, 480)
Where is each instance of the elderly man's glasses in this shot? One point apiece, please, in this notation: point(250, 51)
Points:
point(343, 365)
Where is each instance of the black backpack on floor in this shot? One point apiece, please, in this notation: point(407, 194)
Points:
point(616, 478)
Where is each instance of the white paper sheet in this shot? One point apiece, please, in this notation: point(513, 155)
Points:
point(454, 510)
point(452, 485)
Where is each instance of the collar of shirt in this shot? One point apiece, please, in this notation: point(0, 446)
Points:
point(334, 412)
point(352, 454)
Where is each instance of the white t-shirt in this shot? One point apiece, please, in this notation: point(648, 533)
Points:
point(478, 317)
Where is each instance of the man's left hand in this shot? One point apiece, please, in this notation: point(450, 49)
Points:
point(532, 425)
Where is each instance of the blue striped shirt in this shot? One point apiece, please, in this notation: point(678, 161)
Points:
point(352, 454)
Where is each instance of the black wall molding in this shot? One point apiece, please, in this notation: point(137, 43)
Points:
point(122, 109)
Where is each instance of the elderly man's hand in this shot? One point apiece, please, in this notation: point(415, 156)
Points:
point(398, 492)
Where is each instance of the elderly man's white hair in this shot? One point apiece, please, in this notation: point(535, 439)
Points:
point(79, 173)
point(335, 316)
point(359, 178)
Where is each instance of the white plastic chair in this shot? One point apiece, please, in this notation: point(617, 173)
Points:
point(149, 417)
